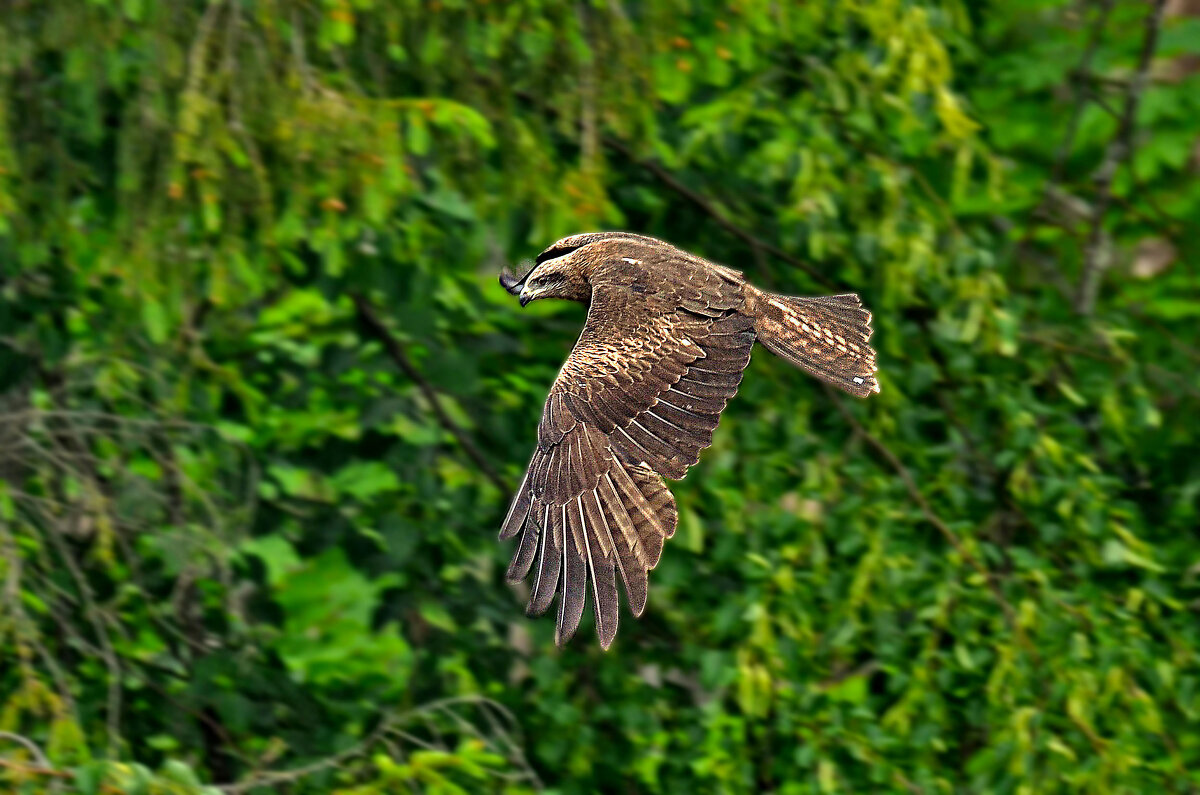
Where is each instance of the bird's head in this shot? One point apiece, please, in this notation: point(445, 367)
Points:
point(563, 269)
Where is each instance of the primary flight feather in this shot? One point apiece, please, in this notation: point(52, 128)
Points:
point(667, 337)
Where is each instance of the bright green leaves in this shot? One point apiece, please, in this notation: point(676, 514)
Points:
point(328, 634)
point(455, 772)
point(336, 28)
point(365, 480)
point(154, 319)
point(672, 76)
point(174, 778)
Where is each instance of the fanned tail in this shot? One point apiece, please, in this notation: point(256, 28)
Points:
point(826, 337)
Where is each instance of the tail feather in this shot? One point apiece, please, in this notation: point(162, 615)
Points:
point(826, 337)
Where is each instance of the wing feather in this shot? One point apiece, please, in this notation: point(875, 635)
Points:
point(526, 550)
point(698, 404)
point(550, 562)
point(634, 573)
point(636, 401)
point(650, 533)
point(519, 509)
point(574, 580)
point(699, 425)
point(602, 569)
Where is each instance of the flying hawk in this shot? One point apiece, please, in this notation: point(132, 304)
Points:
point(667, 337)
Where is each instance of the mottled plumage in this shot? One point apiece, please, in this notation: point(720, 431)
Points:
point(667, 337)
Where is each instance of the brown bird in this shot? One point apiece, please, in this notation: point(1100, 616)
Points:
point(667, 337)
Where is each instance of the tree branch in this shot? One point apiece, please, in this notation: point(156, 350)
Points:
point(391, 725)
point(1079, 92)
point(36, 752)
point(923, 504)
point(707, 207)
point(49, 772)
point(395, 349)
point(1120, 149)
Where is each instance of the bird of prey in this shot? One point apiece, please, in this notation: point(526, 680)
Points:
point(667, 337)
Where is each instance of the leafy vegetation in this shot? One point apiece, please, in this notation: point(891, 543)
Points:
point(262, 402)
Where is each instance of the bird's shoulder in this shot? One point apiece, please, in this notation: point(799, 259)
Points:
point(640, 279)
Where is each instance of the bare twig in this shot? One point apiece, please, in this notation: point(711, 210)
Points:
point(109, 654)
point(21, 626)
point(1120, 149)
point(295, 774)
point(392, 725)
point(29, 745)
point(1079, 99)
point(34, 770)
point(395, 349)
point(50, 772)
point(142, 677)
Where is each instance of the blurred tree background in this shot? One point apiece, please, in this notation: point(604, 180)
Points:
point(262, 402)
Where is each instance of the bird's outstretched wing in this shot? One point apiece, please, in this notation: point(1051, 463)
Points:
point(635, 401)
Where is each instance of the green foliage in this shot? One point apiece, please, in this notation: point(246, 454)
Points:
point(241, 547)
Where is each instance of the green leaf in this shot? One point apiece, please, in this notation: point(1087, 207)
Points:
point(276, 553)
point(418, 134)
point(154, 320)
point(851, 690)
point(89, 777)
point(179, 773)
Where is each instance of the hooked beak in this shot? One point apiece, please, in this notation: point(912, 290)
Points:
point(525, 297)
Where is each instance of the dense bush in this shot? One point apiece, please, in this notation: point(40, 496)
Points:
point(262, 402)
